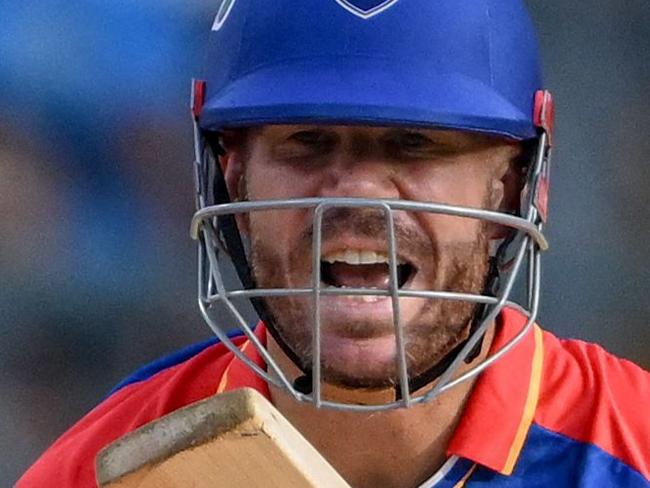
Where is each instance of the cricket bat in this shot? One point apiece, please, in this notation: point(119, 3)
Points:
point(235, 439)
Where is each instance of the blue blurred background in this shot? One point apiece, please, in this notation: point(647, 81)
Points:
point(96, 265)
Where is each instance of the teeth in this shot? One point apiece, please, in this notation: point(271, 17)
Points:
point(356, 256)
point(371, 298)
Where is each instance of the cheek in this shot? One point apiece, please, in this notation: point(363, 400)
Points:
point(269, 228)
point(454, 186)
point(276, 229)
point(279, 231)
point(449, 184)
point(449, 231)
point(269, 181)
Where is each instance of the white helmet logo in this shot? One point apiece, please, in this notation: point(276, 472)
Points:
point(366, 8)
point(222, 14)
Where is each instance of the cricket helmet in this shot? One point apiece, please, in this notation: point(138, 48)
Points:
point(469, 65)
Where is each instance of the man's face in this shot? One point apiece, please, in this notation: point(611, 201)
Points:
point(435, 252)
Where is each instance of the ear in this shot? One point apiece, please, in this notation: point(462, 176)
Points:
point(232, 168)
point(232, 161)
point(512, 184)
point(505, 190)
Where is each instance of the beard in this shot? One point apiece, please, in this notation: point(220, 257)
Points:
point(433, 326)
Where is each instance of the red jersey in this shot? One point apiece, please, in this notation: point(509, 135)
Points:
point(549, 413)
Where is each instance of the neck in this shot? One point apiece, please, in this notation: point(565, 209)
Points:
point(394, 448)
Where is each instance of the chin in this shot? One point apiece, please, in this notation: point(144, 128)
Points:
point(353, 360)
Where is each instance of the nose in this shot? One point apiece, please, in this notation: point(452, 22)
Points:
point(360, 176)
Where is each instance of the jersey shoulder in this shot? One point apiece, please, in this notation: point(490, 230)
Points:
point(153, 391)
point(590, 397)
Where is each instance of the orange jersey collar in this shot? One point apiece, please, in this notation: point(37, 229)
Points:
point(500, 409)
point(502, 404)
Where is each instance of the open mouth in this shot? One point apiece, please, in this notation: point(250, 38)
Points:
point(362, 269)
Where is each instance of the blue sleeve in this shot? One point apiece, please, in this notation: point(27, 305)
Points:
point(177, 357)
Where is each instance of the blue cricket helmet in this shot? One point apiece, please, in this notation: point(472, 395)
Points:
point(458, 64)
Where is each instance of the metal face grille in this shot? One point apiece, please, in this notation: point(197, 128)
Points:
point(214, 295)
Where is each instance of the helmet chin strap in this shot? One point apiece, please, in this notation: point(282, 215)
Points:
point(227, 225)
point(234, 245)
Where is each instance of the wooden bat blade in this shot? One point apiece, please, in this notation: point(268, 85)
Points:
point(235, 439)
